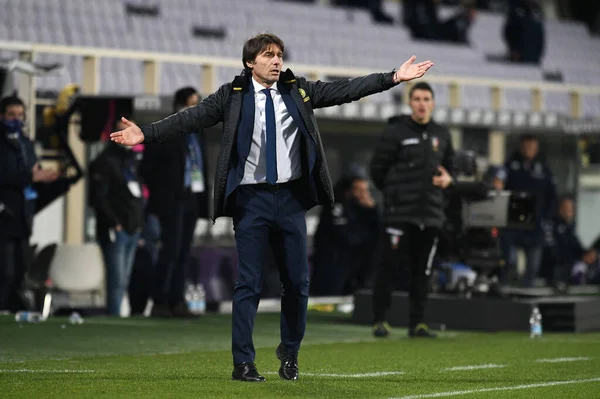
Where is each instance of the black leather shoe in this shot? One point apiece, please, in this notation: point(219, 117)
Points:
point(289, 364)
point(246, 372)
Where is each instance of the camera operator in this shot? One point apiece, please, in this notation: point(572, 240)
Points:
point(410, 166)
point(20, 172)
point(527, 172)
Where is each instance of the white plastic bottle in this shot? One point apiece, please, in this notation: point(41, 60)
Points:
point(201, 292)
point(535, 323)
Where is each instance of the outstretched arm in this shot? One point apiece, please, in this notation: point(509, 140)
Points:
point(207, 113)
point(326, 94)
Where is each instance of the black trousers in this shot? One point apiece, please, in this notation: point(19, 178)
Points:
point(13, 264)
point(405, 247)
point(177, 234)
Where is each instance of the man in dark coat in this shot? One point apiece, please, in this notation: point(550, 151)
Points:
point(527, 172)
point(271, 169)
point(20, 177)
point(345, 240)
point(175, 173)
point(117, 199)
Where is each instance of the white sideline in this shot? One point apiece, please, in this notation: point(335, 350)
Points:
point(45, 371)
point(474, 367)
point(513, 388)
point(563, 359)
point(363, 375)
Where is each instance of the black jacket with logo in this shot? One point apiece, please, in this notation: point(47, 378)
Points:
point(403, 166)
point(111, 197)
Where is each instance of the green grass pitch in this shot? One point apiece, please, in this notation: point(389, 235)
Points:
point(139, 357)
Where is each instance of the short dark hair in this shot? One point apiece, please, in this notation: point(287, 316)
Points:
point(8, 102)
point(181, 96)
point(566, 197)
point(529, 137)
point(420, 86)
point(255, 45)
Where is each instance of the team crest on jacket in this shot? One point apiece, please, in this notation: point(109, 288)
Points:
point(303, 95)
point(435, 143)
point(394, 236)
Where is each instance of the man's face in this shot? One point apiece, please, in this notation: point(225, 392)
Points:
point(567, 211)
point(529, 149)
point(268, 65)
point(14, 112)
point(360, 189)
point(422, 104)
point(192, 100)
point(498, 184)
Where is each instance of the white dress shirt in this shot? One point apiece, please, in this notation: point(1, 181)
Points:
point(289, 166)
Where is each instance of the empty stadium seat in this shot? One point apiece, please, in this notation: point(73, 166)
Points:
point(77, 269)
point(319, 35)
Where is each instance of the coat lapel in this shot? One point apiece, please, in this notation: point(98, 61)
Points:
point(246, 127)
point(291, 103)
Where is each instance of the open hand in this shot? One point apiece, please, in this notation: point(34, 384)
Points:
point(409, 71)
point(130, 136)
point(442, 180)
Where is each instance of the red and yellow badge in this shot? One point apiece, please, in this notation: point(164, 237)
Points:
point(435, 143)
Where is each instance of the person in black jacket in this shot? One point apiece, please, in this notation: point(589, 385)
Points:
point(175, 173)
point(20, 177)
point(271, 169)
point(410, 166)
point(117, 199)
point(345, 239)
point(563, 249)
point(524, 31)
point(527, 172)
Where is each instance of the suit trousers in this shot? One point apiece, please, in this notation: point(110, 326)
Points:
point(269, 218)
point(405, 246)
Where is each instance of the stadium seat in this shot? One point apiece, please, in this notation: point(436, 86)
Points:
point(77, 269)
point(323, 35)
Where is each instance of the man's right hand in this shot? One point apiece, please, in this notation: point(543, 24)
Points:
point(130, 136)
point(43, 175)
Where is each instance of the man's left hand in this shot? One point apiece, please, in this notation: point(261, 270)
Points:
point(442, 180)
point(409, 71)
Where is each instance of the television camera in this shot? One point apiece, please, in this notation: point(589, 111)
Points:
point(470, 255)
